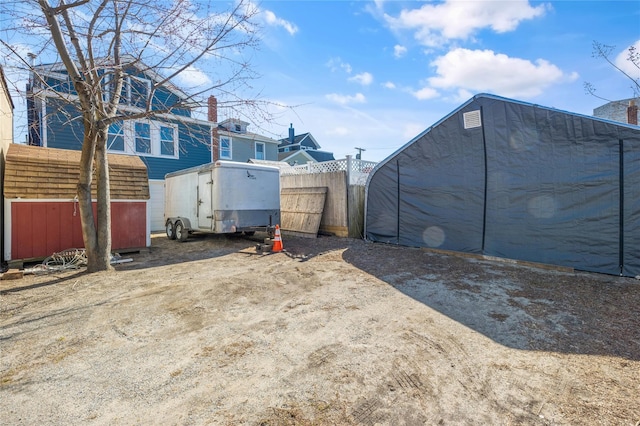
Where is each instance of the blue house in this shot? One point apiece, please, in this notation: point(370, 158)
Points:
point(166, 142)
point(301, 149)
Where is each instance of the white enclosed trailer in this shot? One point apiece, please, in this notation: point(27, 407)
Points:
point(222, 197)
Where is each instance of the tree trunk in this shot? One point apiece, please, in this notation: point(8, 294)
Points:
point(97, 239)
point(101, 260)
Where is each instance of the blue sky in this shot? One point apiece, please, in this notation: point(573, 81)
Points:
point(375, 74)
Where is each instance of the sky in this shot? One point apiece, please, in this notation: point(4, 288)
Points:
point(375, 74)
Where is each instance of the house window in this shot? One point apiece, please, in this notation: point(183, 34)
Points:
point(167, 141)
point(135, 90)
point(225, 148)
point(238, 128)
point(142, 138)
point(138, 90)
point(286, 149)
point(259, 151)
point(115, 137)
point(149, 138)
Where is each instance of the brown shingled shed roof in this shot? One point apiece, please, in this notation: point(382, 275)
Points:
point(33, 172)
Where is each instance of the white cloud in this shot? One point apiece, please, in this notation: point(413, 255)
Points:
point(389, 85)
point(358, 98)
point(364, 78)
point(335, 64)
point(193, 77)
point(486, 71)
point(399, 51)
point(622, 61)
point(425, 93)
point(271, 19)
point(434, 24)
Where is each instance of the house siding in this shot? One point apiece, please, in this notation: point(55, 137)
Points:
point(65, 130)
point(243, 150)
point(616, 111)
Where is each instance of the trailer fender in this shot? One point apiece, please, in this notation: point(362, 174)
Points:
point(186, 222)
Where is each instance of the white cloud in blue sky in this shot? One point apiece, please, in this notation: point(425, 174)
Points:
point(363, 78)
point(271, 19)
point(358, 98)
point(336, 64)
point(487, 71)
point(630, 67)
point(439, 23)
point(399, 51)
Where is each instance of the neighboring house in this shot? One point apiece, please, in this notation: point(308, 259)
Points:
point(301, 149)
point(6, 136)
point(6, 115)
point(624, 111)
point(166, 142)
point(235, 143)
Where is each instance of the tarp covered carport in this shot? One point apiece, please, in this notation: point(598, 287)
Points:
point(505, 178)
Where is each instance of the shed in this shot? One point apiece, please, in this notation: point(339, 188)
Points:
point(509, 179)
point(41, 208)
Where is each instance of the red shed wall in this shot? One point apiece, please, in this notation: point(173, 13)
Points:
point(39, 229)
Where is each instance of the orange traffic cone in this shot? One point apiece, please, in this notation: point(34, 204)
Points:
point(277, 241)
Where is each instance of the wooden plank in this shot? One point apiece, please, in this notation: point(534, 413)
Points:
point(334, 215)
point(301, 210)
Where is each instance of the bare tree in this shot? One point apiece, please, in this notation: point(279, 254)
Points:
point(98, 41)
point(603, 51)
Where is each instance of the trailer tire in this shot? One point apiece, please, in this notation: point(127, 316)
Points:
point(171, 230)
point(181, 233)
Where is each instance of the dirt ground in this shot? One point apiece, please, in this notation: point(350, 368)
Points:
point(333, 331)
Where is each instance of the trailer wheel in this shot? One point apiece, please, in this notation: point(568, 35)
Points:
point(181, 233)
point(171, 230)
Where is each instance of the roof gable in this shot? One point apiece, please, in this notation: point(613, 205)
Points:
point(33, 172)
point(291, 156)
point(58, 69)
point(306, 139)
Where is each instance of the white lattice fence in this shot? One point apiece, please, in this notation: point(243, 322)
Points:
point(358, 174)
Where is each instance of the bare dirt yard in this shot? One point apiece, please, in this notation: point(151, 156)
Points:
point(334, 331)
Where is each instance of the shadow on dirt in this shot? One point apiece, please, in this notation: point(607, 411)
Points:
point(517, 306)
point(209, 246)
point(54, 280)
point(197, 247)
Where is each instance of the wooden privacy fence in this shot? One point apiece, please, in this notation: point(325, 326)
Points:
point(343, 213)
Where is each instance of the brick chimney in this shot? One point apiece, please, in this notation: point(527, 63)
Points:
point(632, 113)
point(212, 115)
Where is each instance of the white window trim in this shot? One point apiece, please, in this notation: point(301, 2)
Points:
point(230, 148)
point(264, 151)
point(128, 129)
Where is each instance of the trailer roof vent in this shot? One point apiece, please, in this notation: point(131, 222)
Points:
point(472, 119)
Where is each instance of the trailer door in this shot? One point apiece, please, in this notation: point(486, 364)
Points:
point(205, 207)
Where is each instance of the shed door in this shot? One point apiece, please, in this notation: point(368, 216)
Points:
point(205, 207)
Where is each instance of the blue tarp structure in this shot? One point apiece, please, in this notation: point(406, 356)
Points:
point(510, 179)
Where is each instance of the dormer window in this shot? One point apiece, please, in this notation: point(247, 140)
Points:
point(238, 128)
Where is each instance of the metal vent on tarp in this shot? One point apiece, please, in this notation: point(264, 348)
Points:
point(472, 119)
